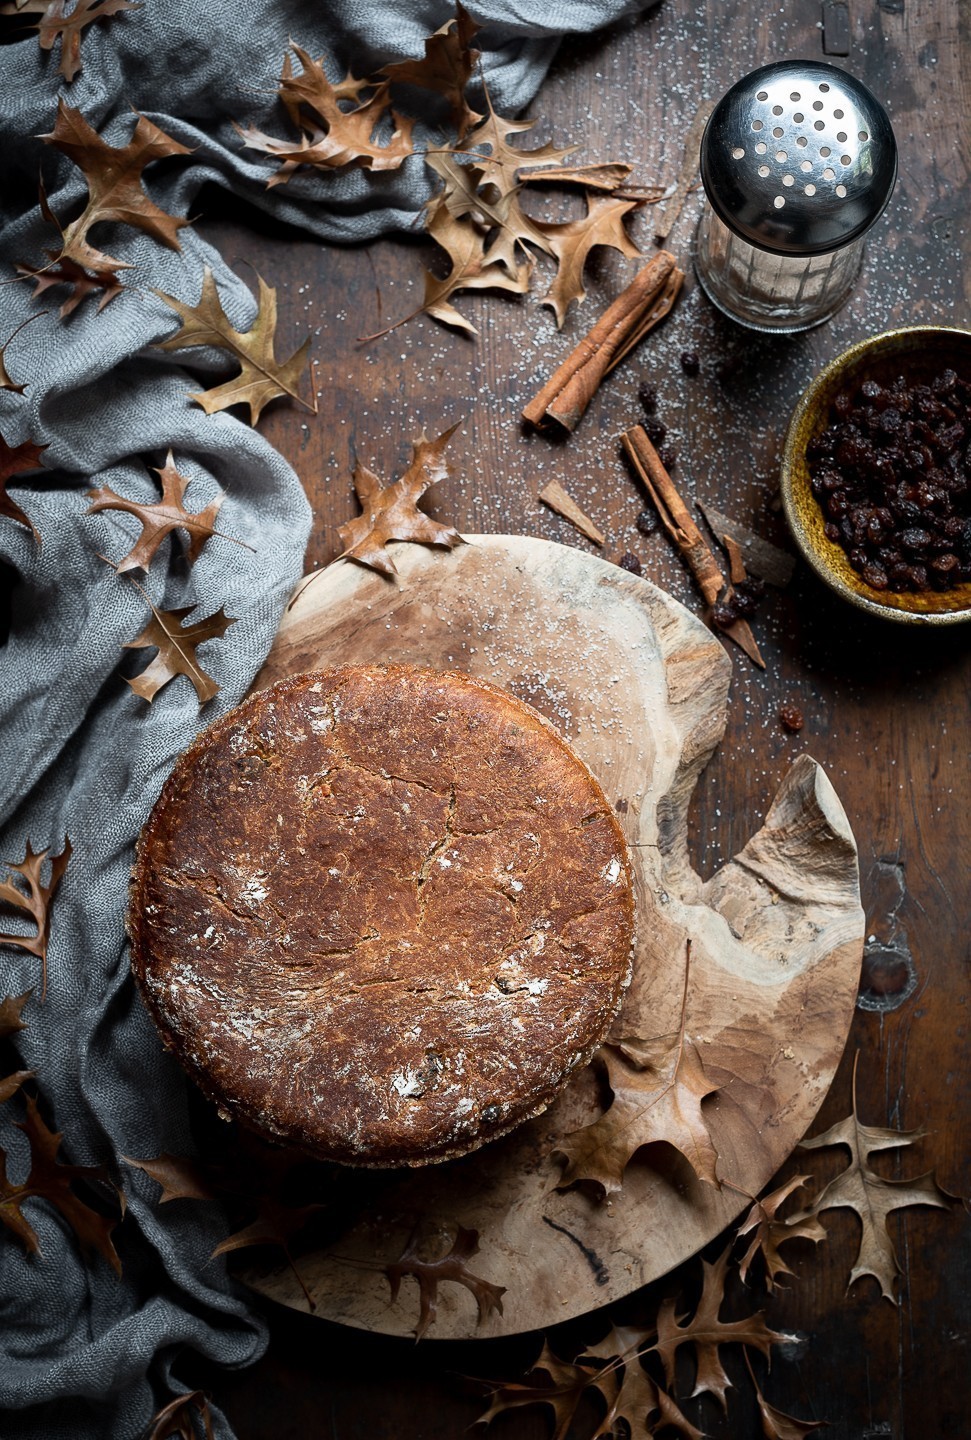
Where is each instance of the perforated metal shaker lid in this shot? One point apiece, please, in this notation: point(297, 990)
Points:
point(798, 158)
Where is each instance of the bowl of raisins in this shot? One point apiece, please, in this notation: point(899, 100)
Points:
point(876, 475)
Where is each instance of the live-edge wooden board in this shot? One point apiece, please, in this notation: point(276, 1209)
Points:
point(639, 687)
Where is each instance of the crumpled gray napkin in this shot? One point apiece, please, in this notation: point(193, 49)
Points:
point(83, 1354)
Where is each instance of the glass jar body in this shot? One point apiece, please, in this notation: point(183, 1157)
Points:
point(768, 291)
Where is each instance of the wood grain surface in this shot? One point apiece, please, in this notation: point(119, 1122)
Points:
point(886, 711)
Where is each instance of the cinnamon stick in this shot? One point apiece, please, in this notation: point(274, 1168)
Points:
point(564, 504)
point(676, 519)
point(568, 392)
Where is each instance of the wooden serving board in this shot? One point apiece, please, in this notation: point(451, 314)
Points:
point(639, 687)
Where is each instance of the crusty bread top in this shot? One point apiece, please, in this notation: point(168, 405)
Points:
point(382, 913)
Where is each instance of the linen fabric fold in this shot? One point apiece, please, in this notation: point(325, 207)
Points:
point(84, 1354)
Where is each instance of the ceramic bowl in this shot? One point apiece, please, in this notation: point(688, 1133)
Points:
point(919, 353)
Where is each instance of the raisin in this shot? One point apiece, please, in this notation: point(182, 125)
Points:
point(656, 432)
point(892, 474)
point(647, 395)
point(647, 522)
point(668, 457)
point(791, 717)
point(690, 363)
point(630, 562)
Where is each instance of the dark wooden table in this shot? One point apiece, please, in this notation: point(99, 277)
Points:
point(886, 710)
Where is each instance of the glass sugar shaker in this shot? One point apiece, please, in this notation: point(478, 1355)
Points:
point(798, 160)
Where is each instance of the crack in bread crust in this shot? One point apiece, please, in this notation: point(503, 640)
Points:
point(382, 913)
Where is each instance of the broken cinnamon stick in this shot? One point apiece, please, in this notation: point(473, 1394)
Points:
point(568, 392)
point(688, 539)
point(689, 169)
point(564, 504)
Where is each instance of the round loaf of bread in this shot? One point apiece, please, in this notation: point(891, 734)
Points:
point(382, 913)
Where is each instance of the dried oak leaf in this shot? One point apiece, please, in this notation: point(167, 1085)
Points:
point(658, 1087)
point(116, 191)
point(770, 1232)
point(501, 163)
point(566, 1385)
point(176, 644)
point(572, 241)
point(6, 381)
point(261, 378)
point(11, 1013)
point(446, 67)
point(872, 1197)
point(332, 137)
point(494, 217)
point(178, 1419)
point(707, 1332)
point(36, 902)
point(17, 460)
point(639, 1397)
point(57, 24)
point(430, 1274)
point(159, 518)
point(275, 1223)
point(49, 1179)
point(470, 268)
point(391, 512)
point(776, 1425)
point(79, 282)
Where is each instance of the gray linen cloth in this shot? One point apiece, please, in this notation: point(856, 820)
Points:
point(83, 1354)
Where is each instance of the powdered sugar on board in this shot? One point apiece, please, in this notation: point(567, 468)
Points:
point(639, 688)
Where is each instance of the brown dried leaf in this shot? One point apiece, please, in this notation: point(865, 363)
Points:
point(391, 513)
point(179, 1177)
point(640, 1396)
point(36, 903)
point(160, 518)
point(51, 1180)
point(67, 28)
point(609, 176)
point(501, 162)
point(430, 1274)
point(176, 644)
point(275, 1224)
point(262, 378)
point(658, 1086)
point(10, 1084)
point(6, 382)
point(176, 1419)
point(771, 1232)
point(11, 1014)
point(81, 284)
point(707, 1332)
point(115, 186)
point(775, 1424)
point(17, 460)
point(446, 68)
point(567, 1385)
point(572, 242)
point(332, 137)
point(496, 219)
point(872, 1197)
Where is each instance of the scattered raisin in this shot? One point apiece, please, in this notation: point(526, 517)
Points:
point(724, 613)
point(690, 362)
point(656, 432)
point(791, 717)
point(630, 562)
point(668, 457)
point(647, 395)
point(892, 474)
point(647, 522)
